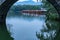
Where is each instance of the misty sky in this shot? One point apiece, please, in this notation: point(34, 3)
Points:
point(29, 0)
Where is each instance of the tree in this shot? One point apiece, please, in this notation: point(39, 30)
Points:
point(52, 23)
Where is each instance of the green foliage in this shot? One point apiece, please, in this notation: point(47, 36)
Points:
point(52, 25)
point(25, 7)
point(16, 9)
point(52, 16)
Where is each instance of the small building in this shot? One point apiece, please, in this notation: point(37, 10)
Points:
point(34, 12)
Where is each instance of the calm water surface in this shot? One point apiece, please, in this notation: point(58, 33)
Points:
point(24, 27)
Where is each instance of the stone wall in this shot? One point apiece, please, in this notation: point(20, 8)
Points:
point(1, 1)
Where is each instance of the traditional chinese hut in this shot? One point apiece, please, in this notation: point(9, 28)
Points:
point(38, 12)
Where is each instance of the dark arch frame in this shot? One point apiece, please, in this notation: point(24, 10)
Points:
point(6, 6)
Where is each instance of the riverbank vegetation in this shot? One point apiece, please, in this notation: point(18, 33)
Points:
point(25, 7)
point(51, 31)
point(16, 9)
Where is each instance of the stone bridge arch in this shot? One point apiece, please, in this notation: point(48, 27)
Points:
point(5, 6)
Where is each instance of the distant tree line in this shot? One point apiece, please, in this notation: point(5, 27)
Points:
point(15, 9)
point(25, 7)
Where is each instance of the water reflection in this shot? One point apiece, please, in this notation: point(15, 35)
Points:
point(25, 27)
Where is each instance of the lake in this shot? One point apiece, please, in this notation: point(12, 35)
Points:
point(24, 27)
